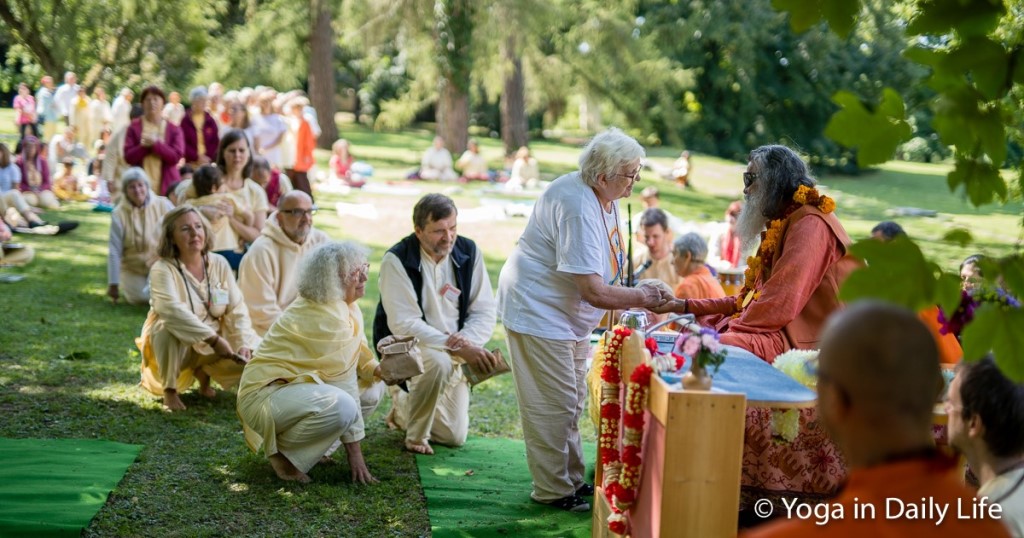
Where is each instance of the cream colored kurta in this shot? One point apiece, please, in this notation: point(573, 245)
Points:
point(312, 343)
point(152, 163)
point(251, 195)
point(134, 238)
point(172, 337)
point(80, 118)
point(224, 236)
point(437, 405)
point(267, 275)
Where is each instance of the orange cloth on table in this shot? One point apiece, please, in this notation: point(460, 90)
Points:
point(810, 263)
point(908, 480)
point(950, 351)
point(700, 284)
point(305, 143)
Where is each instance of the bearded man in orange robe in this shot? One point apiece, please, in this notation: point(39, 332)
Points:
point(792, 284)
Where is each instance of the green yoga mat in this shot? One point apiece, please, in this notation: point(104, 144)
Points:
point(494, 500)
point(54, 487)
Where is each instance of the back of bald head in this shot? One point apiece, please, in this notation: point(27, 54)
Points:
point(884, 358)
point(292, 199)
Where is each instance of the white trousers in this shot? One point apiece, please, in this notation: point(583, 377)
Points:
point(134, 288)
point(436, 407)
point(551, 386)
point(309, 419)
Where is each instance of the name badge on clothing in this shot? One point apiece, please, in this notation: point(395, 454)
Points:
point(219, 297)
point(450, 292)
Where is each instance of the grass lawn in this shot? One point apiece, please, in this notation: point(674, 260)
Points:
point(69, 369)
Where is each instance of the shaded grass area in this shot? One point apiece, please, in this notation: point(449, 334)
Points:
point(197, 478)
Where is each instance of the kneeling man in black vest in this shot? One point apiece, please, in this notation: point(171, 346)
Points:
point(434, 286)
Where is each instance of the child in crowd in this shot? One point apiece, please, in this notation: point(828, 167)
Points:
point(65, 183)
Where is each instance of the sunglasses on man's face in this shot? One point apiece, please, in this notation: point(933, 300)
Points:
point(748, 179)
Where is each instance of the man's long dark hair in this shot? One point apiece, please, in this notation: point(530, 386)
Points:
point(780, 171)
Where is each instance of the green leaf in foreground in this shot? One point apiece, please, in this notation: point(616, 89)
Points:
point(981, 180)
point(840, 14)
point(997, 329)
point(896, 272)
point(959, 236)
point(875, 133)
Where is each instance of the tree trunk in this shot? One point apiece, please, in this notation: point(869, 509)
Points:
point(453, 44)
point(28, 34)
point(321, 71)
point(453, 117)
point(513, 101)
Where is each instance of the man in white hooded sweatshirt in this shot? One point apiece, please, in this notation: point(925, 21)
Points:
point(268, 270)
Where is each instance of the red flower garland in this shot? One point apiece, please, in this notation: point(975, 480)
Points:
point(622, 466)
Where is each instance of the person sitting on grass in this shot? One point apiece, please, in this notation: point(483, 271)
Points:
point(341, 165)
point(314, 379)
point(267, 275)
point(436, 164)
point(35, 183)
point(473, 165)
point(13, 253)
point(434, 286)
point(273, 181)
point(13, 206)
point(198, 326)
point(65, 183)
point(208, 184)
point(134, 238)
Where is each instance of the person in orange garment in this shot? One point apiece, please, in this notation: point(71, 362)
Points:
point(689, 254)
point(878, 380)
point(950, 351)
point(792, 283)
point(305, 143)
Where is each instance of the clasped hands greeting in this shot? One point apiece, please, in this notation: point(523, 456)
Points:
point(659, 300)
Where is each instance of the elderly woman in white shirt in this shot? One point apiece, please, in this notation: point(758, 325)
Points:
point(134, 238)
point(566, 270)
point(314, 379)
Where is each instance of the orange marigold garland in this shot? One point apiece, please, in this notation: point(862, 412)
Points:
point(761, 264)
point(621, 466)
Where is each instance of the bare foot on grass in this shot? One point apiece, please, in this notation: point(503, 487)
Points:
point(390, 420)
point(286, 470)
point(172, 402)
point(423, 447)
point(204, 385)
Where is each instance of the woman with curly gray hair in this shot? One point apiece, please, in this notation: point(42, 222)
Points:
point(314, 378)
point(568, 268)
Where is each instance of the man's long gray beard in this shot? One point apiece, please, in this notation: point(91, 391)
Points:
point(751, 221)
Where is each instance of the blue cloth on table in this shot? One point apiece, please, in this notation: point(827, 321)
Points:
point(746, 373)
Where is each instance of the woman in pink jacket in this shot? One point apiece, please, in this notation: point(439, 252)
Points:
point(155, 144)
